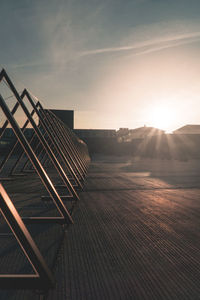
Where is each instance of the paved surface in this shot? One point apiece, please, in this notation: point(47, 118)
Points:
point(136, 234)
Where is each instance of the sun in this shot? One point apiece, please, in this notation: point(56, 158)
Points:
point(162, 117)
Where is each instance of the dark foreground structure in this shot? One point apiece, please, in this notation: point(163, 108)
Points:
point(136, 234)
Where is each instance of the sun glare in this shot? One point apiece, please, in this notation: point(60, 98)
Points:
point(162, 117)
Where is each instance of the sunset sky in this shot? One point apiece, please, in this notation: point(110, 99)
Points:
point(117, 63)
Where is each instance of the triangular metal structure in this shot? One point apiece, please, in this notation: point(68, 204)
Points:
point(42, 141)
point(42, 277)
point(54, 139)
point(65, 216)
point(51, 143)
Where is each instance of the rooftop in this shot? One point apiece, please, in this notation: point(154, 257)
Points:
point(135, 233)
point(193, 128)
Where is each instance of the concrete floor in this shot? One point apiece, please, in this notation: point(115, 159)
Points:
point(136, 234)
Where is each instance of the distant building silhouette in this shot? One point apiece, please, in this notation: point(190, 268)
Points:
point(67, 116)
point(188, 129)
point(125, 134)
point(95, 133)
point(99, 140)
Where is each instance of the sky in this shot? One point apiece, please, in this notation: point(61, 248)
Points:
point(116, 63)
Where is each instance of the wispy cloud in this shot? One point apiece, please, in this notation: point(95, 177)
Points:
point(136, 49)
point(150, 45)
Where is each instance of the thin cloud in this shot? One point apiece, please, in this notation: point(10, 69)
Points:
point(166, 46)
point(149, 46)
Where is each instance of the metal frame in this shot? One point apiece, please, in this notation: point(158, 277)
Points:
point(57, 146)
point(43, 278)
point(60, 134)
point(43, 142)
point(6, 158)
point(68, 141)
point(55, 143)
point(65, 216)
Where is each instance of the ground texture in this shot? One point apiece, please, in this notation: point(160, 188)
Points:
point(135, 234)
